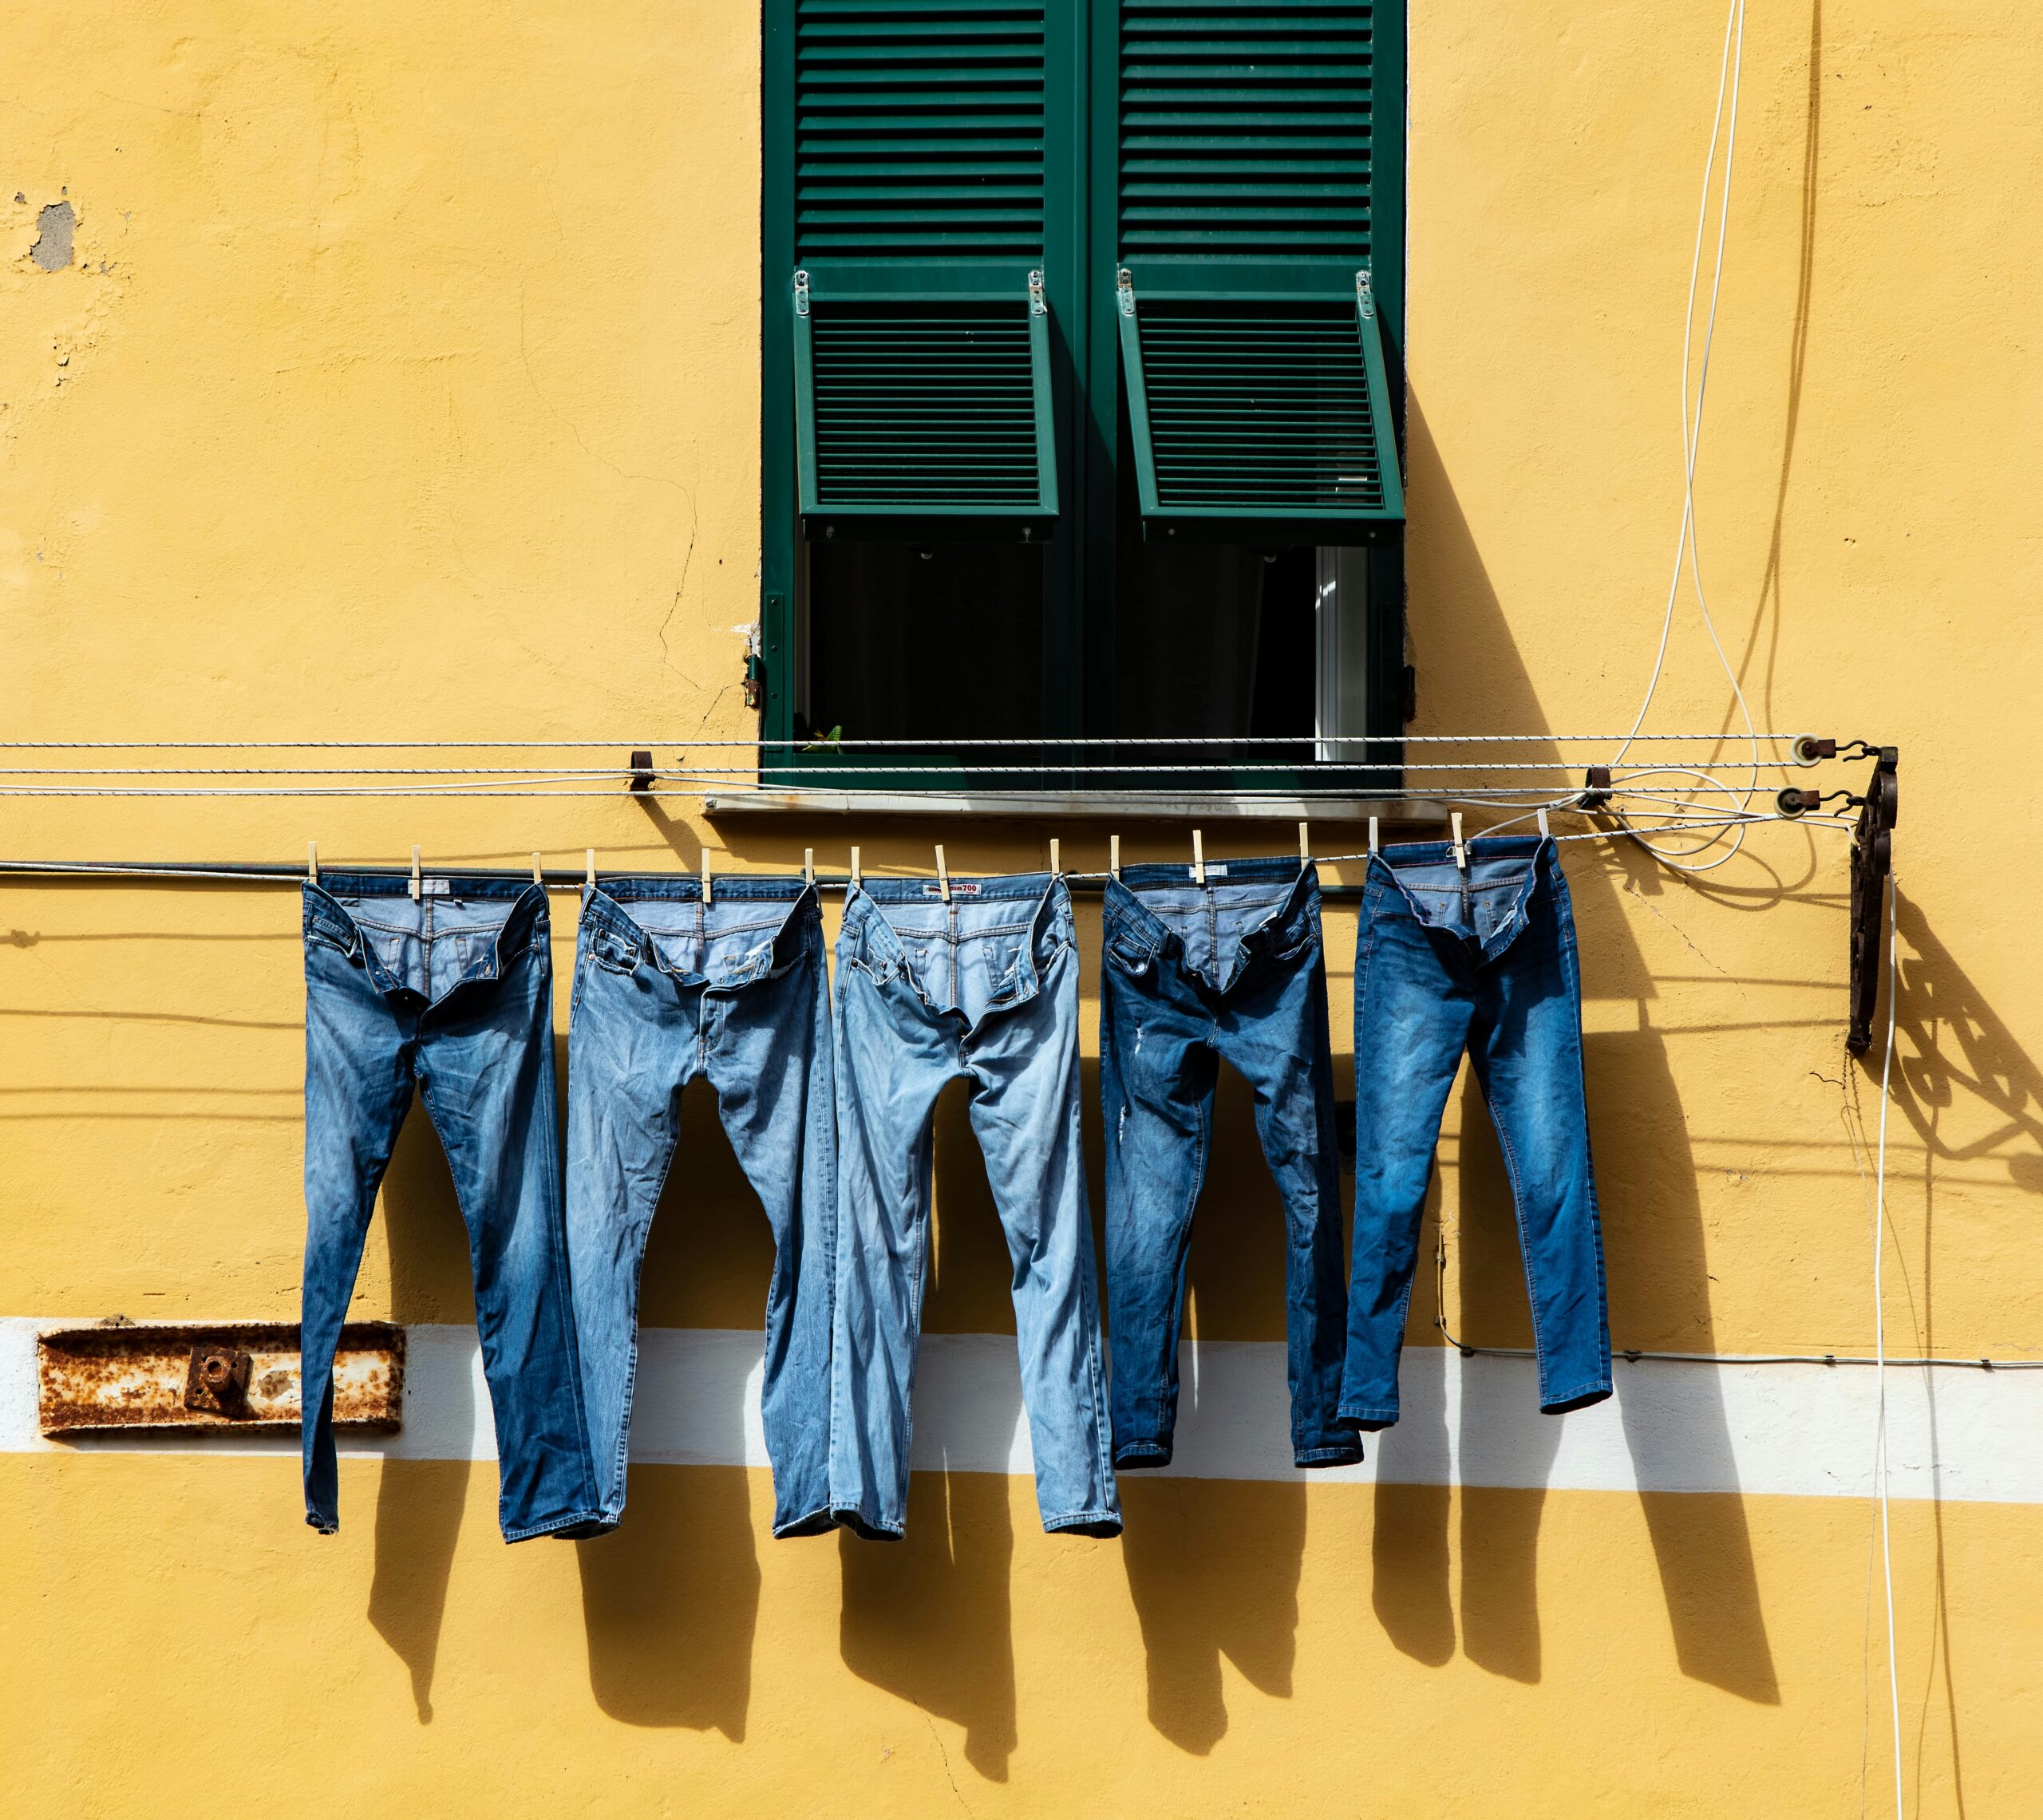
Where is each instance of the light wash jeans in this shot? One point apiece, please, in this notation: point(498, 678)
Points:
point(454, 994)
point(667, 988)
point(1190, 974)
point(1482, 961)
point(984, 988)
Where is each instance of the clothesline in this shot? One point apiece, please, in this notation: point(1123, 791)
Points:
point(1364, 740)
point(280, 873)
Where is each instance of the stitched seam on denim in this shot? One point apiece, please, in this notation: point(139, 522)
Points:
point(569, 1340)
point(558, 1523)
point(1571, 974)
point(1524, 1242)
point(631, 1304)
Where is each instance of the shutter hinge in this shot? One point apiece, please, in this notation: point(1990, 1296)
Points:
point(1125, 291)
point(801, 292)
point(1037, 306)
point(1365, 295)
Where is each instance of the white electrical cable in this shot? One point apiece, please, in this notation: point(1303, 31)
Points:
point(1686, 547)
point(1879, 1331)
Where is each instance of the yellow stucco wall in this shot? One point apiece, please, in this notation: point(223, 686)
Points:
point(404, 384)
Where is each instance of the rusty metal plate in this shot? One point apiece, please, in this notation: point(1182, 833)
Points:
point(242, 1376)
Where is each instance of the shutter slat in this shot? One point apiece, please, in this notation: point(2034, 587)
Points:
point(1245, 130)
point(921, 409)
point(1248, 409)
point(919, 129)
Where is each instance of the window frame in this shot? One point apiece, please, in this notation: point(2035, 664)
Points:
point(1079, 260)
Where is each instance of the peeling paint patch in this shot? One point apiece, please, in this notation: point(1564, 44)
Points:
point(55, 224)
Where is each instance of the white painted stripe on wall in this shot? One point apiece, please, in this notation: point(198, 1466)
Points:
point(1798, 1430)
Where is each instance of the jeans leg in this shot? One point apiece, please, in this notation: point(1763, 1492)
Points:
point(1412, 1018)
point(1024, 1109)
point(631, 1047)
point(893, 1058)
point(1156, 1081)
point(486, 1063)
point(770, 1059)
point(1526, 1050)
point(358, 1058)
point(1282, 1043)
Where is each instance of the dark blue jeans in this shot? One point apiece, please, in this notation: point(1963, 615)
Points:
point(1192, 974)
point(453, 995)
point(1481, 960)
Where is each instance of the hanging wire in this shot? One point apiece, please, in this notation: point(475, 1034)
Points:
point(1688, 543)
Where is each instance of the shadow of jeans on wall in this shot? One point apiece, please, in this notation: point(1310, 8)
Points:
point(1199, 1595)
point(670, 1601)
point(929, 1618)
point(419, 1503)
point(1701, 1541)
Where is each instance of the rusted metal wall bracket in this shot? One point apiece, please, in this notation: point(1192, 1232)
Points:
point(1872, 859)
point(122, 1377)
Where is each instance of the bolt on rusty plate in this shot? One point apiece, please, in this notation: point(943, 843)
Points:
point(188, 1374)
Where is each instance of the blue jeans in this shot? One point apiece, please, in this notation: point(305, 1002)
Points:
point(984, 989)
point(1192, 974)
point(666, 989)
point(453, 994)
point(1482, 961)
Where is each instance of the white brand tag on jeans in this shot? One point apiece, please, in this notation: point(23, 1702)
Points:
point(437, 887)
point(1216, 871)
point(934, 888)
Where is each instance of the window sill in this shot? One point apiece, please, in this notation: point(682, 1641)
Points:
point(1028, 805)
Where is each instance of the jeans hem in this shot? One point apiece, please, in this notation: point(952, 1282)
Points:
point(850, 1517)
point(820, 1521)
point(1367, 1417)
point(1582, 1398)
point(574, 1519)
point(1350, 1455)
point(325, 1526)
point(1103, 1524)
point(1138, 1455)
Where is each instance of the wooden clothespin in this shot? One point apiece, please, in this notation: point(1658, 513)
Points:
point(1113, 855)
point(1460, 846)
point(942, 875)
point(417, 881)
point(808, 865)
point(709, 888)
point(1304, 845)
point(1198, 858)
point(1544, 830)
point(1374, 848)
point(1057, 858)
point(590, 854)
point(538, 871)
point(855, 866)
point(312, 861)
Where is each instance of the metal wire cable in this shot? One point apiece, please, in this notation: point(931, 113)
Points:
point(813, 742)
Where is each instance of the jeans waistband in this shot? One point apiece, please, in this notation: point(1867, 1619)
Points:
point(1482, 847)
point(399, 885)
point(971, 890)
point(1219, 872)
point(672, 888)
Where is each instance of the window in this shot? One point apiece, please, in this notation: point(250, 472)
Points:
point(1081, 323)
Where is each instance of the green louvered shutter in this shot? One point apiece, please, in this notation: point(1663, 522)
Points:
point(922, 346)
point(1259, 398)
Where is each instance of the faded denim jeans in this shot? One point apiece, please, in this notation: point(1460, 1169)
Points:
point(1482, 961)
point(667, 989)
point(984, 989)
point(452, 994)
point(1193, 973)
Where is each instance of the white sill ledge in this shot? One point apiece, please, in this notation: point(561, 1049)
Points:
point(1024, 805)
